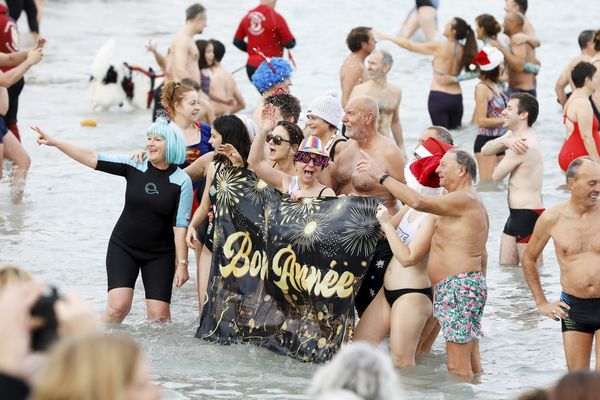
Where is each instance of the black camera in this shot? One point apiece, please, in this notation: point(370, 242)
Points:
point(47, 333)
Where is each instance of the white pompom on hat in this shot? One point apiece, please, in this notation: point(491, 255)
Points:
point(487, 59)
point(328, 108)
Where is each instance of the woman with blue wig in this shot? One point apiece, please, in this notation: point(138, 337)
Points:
point(150, 234)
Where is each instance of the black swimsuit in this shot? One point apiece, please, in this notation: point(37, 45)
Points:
point(392, 295)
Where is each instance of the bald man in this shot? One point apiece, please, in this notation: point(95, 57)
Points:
point(518, 56)
point(360, 120)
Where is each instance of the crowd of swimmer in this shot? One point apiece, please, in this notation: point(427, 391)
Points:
point(428, 271)
point(84, 362)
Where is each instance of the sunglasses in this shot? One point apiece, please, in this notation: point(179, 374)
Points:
point(318, 160)
point(276, 139)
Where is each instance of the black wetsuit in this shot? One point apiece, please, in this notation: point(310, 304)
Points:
point(155, 202)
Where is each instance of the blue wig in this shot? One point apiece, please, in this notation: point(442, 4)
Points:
point(174, 141)
point(264, 78)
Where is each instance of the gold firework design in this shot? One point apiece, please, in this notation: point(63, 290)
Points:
point(308, 232)
point(292, 211)
point(361, 230)
point(229, 184)
point(259, 192)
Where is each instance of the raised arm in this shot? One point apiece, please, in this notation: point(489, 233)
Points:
point(256, 160)
point(508, 164)
point(85, 156)
point(10, 77)
point(515, 56)
point(506, 141)
point(416, 47)
point(197, 169)
point(160, 59)
point(454, 203)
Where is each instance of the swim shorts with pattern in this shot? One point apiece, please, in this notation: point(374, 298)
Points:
point(458, 306)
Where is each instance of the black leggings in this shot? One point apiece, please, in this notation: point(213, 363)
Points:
point(16, 7)
point(123, 266)
point(250, 70)
point(445, 109)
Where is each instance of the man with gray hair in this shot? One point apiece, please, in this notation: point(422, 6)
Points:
point(573, 227)
point(386, 95)
point(458, 256)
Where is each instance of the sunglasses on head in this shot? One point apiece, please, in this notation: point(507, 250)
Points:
point(276, 139)
point(318, 160)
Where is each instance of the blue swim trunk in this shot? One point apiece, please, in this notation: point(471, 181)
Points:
point(458, 305)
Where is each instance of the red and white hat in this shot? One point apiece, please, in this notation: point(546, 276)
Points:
point(431, 152)
point(487, 59)
point(432, 146)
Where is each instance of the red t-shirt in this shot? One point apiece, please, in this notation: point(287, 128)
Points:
point(9, 35)
point(266, 30)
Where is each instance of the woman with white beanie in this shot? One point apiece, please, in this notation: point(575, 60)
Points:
point(324, 115)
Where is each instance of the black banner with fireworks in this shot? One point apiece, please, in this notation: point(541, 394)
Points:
point(284, 274)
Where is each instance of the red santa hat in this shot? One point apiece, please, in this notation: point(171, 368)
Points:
point(432, 146)
point(431, 152)
point(487, 59)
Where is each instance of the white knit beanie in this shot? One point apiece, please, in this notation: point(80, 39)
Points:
point(328, 108)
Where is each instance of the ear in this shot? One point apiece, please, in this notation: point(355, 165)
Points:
point(570, 183)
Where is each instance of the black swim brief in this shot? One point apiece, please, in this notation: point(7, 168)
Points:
point(392, 295)
point(481, 140)
point(520, 223)
point(584, 315)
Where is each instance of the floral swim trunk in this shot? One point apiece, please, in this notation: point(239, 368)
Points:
point(458, 305)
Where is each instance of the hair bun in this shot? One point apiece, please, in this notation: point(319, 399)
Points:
point(162, 116)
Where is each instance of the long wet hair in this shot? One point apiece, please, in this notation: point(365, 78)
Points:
point(202, 44)
point(490, 25)
point(234, 132)
point(463, 31)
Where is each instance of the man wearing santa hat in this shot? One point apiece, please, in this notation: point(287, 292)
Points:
point(458, 257)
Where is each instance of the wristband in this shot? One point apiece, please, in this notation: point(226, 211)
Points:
point(383, 178)
point(182, 261)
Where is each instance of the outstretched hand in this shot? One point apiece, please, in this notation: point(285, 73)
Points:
point(232, 154)
point(268, 118)
point(43, 137)
point(139, 156)
point(34, 55)
point(41, 42)
point(367, 165)
point(151, 46)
